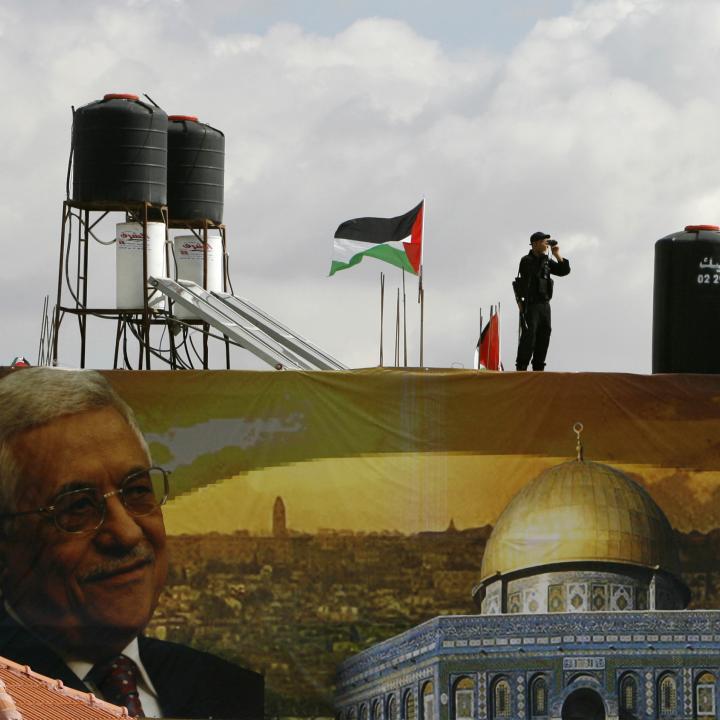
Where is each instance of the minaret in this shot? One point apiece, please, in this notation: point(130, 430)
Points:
point(279, 522)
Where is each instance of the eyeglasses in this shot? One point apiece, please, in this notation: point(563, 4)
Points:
point(80, 511)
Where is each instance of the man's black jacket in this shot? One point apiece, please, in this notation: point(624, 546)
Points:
point(533, 283)
point(189, 683)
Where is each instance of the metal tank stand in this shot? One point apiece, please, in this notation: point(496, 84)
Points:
point(200, 229)
point(79, 221)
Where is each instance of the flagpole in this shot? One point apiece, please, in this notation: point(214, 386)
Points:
point(404, 322)
point(491, 336)
point(421, 291)
point(479, 345)
point(422, 318)
point(500, 365)
point(397, 330)
point(382, 307)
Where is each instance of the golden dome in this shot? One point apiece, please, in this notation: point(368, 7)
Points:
point(581, 511)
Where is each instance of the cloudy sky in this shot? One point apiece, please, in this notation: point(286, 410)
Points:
point(595, 121)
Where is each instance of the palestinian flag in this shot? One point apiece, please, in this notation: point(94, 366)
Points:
point(397, 241)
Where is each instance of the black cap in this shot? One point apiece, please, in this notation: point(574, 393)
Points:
point(538, 236)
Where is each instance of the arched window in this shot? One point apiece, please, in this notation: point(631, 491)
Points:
point(391, 709)
point(377, 710)
point(667, 695)
point(363, 712)
point(428, 697)
point(410, 712)
point(351, 715)
point(538, 697)
point(464, 699)
point(501, 699)
point(628, 696)
point(705, 695)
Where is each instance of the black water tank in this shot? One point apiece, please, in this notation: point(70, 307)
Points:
point(119, 152)
point(686, 302)
point(196, 170)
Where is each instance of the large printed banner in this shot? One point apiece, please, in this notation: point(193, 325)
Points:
point(315, 514)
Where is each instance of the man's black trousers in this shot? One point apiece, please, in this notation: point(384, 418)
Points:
point(534, 336)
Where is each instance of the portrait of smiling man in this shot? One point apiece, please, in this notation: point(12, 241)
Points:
point(83, 553)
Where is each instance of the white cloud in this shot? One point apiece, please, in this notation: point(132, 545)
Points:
point(598, 126)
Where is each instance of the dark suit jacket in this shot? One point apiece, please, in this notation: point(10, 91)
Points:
point(189, 683)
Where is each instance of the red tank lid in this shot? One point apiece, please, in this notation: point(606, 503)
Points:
point(180, 118)
point(698, 228)
point(121, 96)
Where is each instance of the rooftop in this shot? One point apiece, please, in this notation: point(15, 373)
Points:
point(27, 695)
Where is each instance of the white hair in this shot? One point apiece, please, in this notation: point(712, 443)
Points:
point(31, 397)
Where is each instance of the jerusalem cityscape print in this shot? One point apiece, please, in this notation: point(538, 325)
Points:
point(348, 536)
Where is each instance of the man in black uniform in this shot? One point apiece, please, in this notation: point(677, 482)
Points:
point(533, 289)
